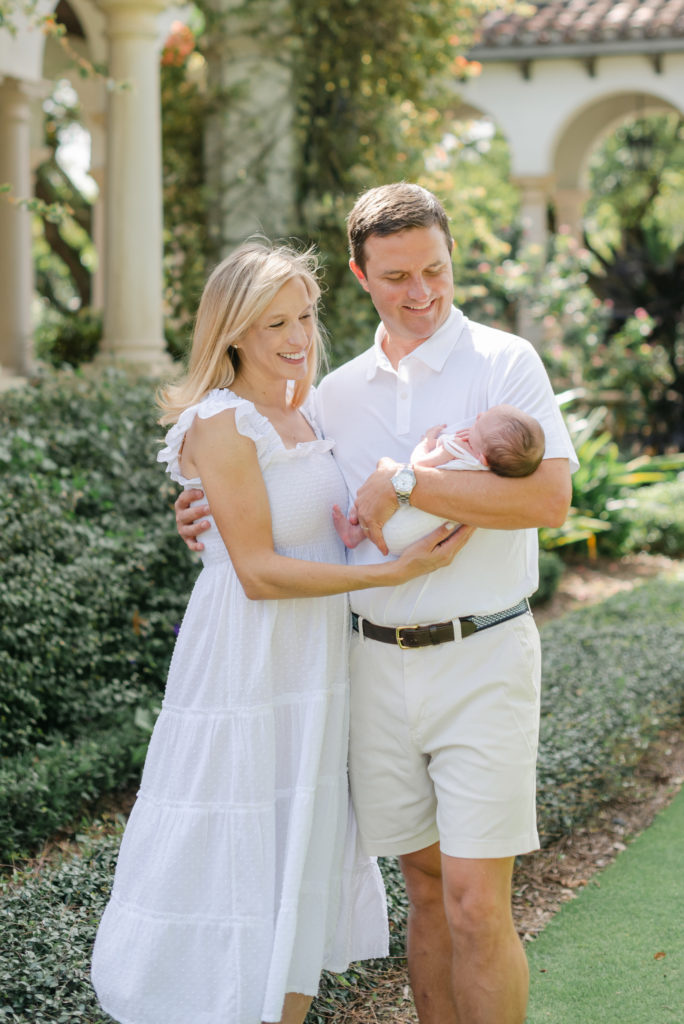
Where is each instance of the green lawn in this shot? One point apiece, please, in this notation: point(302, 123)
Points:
point(615, 955)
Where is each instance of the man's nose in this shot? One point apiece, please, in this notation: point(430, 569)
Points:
point(418, 288)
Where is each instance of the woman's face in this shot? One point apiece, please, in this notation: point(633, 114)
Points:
point(278, 346)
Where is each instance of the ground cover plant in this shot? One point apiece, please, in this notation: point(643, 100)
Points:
point(613, 679)
point(94, 586)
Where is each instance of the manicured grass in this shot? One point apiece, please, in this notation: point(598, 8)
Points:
point(615, 955)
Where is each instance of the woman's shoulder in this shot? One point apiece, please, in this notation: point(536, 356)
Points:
point(244, 419)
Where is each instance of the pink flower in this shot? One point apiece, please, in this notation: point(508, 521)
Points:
point(179, 45)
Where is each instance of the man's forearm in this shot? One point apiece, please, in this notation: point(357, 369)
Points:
point(494, 502)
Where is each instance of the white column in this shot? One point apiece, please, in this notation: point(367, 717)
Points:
point(97, 126)
point(534, 199)
point(133, 321)
point(250, 147)
point(16, 262)
point(569, 205)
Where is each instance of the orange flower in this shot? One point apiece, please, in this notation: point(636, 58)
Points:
point(179, 45)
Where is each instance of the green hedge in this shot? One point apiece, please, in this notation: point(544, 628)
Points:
point(95, 582)
point(613, 679)
point(613, 676)
point(653, 519)
point(551, 568)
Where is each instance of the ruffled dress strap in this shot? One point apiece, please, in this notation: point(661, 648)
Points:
point(248, 421)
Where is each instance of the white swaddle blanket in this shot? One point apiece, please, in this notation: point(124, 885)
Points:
point(409, 524)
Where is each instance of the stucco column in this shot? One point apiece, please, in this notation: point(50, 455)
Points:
point(250, 148)
point(569, 205)
point(133, 322)
point(16, 263)
point(534, 199)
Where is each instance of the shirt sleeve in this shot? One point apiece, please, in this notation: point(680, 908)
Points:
point(520, 379)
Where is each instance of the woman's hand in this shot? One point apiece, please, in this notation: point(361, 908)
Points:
point(432, 552)
point(189, 520)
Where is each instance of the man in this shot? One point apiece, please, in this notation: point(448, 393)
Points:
point(445, 717)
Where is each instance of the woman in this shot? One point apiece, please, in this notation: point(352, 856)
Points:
point(239, 878)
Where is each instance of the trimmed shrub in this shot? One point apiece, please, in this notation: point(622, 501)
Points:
point(72, 339)
point(551, 567)
point(95, 582)
point(654, 518)
point(613, 676)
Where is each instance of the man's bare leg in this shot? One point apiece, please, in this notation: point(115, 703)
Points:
point(428, 947)
point(295, 1008)
point(490, 972)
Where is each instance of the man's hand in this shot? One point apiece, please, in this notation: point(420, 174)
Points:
point(189, 521)
point(376, 501)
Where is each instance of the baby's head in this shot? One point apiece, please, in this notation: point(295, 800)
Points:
point(507, 440)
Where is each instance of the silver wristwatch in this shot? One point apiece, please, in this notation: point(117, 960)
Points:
point(403, 482)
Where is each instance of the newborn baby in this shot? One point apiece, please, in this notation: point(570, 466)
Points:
point(503, 439)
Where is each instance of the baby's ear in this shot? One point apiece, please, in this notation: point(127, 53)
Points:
point(483, 459)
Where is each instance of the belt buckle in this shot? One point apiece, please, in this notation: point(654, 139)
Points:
point(400, 642)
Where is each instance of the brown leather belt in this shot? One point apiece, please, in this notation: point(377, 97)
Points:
point(410, 637)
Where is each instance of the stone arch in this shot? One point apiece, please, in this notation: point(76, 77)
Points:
point(582, 132)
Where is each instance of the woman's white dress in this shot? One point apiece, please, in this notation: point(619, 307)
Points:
point(240, 876)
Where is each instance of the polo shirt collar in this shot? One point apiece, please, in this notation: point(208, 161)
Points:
point(433, 353)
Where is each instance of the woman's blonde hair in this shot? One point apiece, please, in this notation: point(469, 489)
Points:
point(238, 291)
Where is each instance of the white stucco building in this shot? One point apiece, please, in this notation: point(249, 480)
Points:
point(555, 84)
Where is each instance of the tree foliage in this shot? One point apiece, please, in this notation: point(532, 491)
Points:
point(373, 85)
point(64, 252)
point(613, 308)
point(635, 231)
point(186, 200)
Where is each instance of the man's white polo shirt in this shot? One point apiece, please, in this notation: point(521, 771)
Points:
point(371, 410)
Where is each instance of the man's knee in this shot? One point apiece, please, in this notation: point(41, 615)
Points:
point(422, 873)
point(477, 896)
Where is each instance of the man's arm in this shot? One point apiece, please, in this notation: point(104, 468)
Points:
point(479, 499)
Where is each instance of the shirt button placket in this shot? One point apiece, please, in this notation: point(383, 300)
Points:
point(403, 402)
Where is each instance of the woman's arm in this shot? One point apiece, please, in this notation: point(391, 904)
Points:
point(229, 469)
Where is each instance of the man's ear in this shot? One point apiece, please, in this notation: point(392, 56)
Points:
point(359, 274)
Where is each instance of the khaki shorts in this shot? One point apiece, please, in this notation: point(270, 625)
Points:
point(444, 741)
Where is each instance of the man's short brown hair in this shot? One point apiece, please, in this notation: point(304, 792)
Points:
point(387, 209)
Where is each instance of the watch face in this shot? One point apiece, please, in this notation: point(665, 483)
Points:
point(403, 481)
